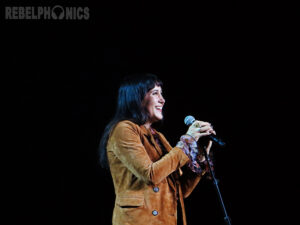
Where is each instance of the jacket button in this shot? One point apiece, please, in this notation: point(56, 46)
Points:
point(155, 213)
point(155, 189)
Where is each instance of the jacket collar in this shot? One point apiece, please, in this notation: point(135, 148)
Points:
point(145, 131)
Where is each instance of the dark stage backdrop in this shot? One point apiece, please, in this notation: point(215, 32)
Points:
point(226, 62)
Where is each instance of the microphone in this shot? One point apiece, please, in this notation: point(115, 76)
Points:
point(189, 120)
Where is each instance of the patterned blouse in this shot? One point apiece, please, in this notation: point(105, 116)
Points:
point(189, 146)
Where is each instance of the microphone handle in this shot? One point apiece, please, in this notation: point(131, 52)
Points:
point(216, 140)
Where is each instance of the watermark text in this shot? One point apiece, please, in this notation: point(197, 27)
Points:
point(56, 12)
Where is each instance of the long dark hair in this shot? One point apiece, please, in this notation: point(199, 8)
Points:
point(129, 106)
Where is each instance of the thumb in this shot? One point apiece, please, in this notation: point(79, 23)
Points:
point(208, 147)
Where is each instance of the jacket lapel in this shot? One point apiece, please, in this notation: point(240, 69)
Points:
point(164, 142)
point(174, 176)
point(150, 138)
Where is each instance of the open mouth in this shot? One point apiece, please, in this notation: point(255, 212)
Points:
point(159, 108)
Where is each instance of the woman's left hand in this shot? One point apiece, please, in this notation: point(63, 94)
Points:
point(209, 145)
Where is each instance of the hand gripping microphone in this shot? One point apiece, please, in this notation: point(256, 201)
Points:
point(189, 120)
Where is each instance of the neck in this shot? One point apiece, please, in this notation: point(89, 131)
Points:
point(147, 125)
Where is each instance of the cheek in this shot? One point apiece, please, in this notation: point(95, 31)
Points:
point(149, 107)
point(150, 104)
point(150, 110)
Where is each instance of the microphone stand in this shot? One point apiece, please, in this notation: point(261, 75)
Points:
point(215, 181)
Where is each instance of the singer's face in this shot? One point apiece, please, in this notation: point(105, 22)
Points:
point(154, 103)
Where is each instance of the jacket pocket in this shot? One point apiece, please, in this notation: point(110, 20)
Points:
point(130, 201)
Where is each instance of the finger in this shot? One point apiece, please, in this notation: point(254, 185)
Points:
point(209, 144)
point(199, 123)
point(205, 134)
point(205, 128)
point(213, 132)
point(204, 123)
point(208, 147)
point(196, 130)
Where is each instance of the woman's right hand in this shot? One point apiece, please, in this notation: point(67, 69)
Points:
point(199, 129)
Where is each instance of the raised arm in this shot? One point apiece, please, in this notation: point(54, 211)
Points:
point(125, 142)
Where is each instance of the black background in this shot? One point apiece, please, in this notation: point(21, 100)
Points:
point(226, 62)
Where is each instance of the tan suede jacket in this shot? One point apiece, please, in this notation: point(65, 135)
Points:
point(147, 182)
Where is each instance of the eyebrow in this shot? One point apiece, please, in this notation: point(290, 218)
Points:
point(156, 90)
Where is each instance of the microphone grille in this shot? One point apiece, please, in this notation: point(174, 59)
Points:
point(188, 120)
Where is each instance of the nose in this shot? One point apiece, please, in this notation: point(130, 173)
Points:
point(161, 99)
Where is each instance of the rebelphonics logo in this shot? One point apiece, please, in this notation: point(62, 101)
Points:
point(56, 12)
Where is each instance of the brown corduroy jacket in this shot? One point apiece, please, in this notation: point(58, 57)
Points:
point(147, 182)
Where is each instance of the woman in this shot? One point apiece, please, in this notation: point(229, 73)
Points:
point(145, 169)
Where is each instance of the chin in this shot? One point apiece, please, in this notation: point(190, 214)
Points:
point(158, 118)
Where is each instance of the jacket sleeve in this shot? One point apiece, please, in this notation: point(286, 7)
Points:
point(128, 148)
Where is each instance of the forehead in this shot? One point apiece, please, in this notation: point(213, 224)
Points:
point(156, 88)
